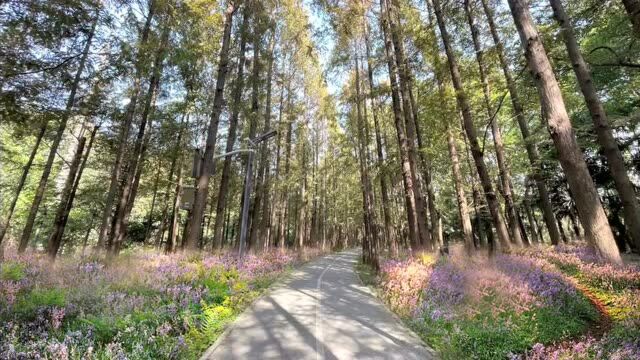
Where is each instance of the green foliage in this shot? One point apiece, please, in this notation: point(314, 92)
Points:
point(28, 304)
point(490, 336)
point(206, 327)
point(12, 271)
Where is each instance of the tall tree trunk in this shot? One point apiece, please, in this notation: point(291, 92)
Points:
point(202, 190)
point(630, 206)
point(133, 170)
point(371, 234)
point(39, 195)
point(407, 178)
point(232, 133)
point(104, 235)
point(503, 167)
point(531, 219)
point(177, 150)
point(463, 207)
point(389, 239)
point(260, 223)
point(253, 126)
point(22, 181)
point(633, 10)
point(590, 210)
point(171, 244)
point(53, 244)
point(147, 230)
point(469, 127)
point(278, 208)
point(405, 89)
point(532, 149)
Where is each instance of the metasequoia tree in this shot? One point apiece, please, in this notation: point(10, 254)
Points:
point(505, 176)
point(469, 127)
point(202, 191)
point(592, 215)
point(53, 150)
point(530, 146)
point(626, 191)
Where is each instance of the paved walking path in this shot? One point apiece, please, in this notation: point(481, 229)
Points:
point(321, 312)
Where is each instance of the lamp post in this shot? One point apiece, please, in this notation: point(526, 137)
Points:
point(251, 150)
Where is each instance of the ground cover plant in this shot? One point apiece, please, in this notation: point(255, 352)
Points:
point(538, 303)
point(143, 305)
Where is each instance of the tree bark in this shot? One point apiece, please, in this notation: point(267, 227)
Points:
point(202, 190)
point(147, 230)
point(171, 244)
point(232, 133)
point(617, 168)
point(503, 167)
point(261, 217)
point(463, 207)
point(177, 151)
point(532, 149)
point(469, 127)
point(133, 169)
point(370, 255)
point(116, 175)
point(384, 192)
point(39, 195)
point(407, 178)
point(590, 210)
point(405, 90)
point(633, 10)
point(531, 219)
point(53, 244)
point(22, 181)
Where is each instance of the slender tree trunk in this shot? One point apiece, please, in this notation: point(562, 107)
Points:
point(53, 244)
point(39, 195)
point(133, 171)
point(463, 207)
point(592, 215)
point(104, 235)
point(147, 230)
point(633, 10)
point(617, 168)
point(202, 189)
point(22, 181)
point(503, 167)
point(177, 150)
point(407, 178)
point(405, 90)
point(371, 234)
point(469, 127)
point(531, 219)
point(171, 244)
point(389, 239)
point(261, 223)
point(532, 149)
point(232, 133)
point(302, 209)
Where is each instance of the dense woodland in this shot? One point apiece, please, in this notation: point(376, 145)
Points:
point(442, 124)
point(402, 126)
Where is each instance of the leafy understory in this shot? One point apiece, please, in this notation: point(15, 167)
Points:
point(537, 303)
point(142, 306)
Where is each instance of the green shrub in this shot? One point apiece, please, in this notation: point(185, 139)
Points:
point(12, 271)
point(28, 304)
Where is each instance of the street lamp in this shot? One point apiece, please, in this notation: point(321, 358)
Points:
point(253, 144)
point(251, 150)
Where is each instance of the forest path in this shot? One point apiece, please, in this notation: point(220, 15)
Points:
point(322, 311)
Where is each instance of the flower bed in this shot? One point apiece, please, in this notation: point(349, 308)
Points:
point(521, 305)
point(142, 306)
